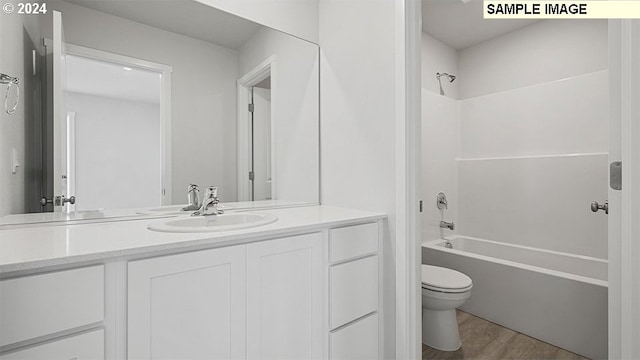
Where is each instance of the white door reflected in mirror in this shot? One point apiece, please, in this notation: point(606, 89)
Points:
point(106, 164)
point(261, 180)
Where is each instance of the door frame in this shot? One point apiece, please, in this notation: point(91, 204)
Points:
point(624, 227)
point(254, 76)
point(165, 102)
point(408, 40)
point(70, 162)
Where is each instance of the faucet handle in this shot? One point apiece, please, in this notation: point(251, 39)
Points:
point(192, 187)
point(441, 201)
point(211, 192)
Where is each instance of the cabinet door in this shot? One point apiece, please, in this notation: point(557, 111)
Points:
point(284, 298)
point(188, 306)
point(87, 346)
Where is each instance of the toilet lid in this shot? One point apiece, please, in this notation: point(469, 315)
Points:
point(437, 277)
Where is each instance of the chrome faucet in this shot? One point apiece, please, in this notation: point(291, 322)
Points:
point(447, 225)
point(193, 192)
point(209, 203)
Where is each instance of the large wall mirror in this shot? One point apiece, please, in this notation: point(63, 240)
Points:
point(134, 101)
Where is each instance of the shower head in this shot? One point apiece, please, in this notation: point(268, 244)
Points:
point(451, 77)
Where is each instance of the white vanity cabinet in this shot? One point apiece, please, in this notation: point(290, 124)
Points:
point(196, 305)
point(306, 290)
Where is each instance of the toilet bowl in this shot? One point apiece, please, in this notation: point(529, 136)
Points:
point(443, 290)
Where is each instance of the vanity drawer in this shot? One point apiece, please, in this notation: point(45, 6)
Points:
point(353, 241)
point(39, 305)
point(356, 341)
point(87, 346)
point(353, 290)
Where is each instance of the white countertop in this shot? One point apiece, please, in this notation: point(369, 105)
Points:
point(30, 248)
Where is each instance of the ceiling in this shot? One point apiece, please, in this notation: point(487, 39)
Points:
point(461, 25)
point(94, 77)
point(184, 17)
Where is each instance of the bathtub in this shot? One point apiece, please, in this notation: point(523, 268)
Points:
point(556, 297)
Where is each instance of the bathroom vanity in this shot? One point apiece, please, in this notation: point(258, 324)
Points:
point(307, 286)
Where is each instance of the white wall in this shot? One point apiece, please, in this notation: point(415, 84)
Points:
point(295, 17)
point(545, 51)
point(203, 92)
point(358, 120)
point(116, 169)
point(438, 57)
point(20, 192)
point(295, 94)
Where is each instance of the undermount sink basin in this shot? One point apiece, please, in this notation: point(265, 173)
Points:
point(224, 222)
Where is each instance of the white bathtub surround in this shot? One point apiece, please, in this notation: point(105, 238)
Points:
point(532, 160)
point(542, 202)
point(564, 116)
point(443, 290)
point(556, 297)
point(441, 146)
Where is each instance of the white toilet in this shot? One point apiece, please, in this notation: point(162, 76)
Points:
point(443, 290)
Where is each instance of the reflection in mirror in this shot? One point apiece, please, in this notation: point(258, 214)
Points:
point(130, 103)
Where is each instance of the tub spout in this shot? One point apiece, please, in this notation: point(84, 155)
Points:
point(447, 225)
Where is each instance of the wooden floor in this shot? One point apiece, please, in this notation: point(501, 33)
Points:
point(485, 340)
